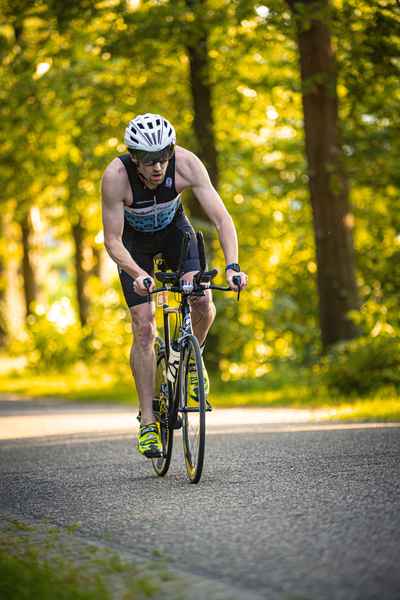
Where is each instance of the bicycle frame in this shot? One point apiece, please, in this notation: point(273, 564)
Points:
point(189, 374)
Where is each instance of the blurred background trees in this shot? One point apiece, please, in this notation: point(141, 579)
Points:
point(294, 109)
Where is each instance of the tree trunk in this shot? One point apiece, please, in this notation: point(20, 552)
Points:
point(96, 268)
point(201, 92)
point(3, 280)
point(203, 120)
point(78, 233)
point(333, 219)
point(27, 266)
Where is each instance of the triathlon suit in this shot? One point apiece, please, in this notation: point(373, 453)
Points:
point(155, 223)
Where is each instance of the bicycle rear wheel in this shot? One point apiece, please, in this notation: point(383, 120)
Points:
point(193, 408)
point(161, 409)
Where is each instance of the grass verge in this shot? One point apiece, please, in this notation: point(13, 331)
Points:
point(41, 562)
point(296, 389)
point(300, 391)
point(71, 386)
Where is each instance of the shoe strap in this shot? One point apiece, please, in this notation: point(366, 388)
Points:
point(151, 428)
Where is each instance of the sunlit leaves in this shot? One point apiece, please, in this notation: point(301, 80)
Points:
point(75, 72)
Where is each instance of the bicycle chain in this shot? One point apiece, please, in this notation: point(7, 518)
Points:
point(166, 414)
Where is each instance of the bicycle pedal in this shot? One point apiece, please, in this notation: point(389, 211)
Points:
point(152, 454)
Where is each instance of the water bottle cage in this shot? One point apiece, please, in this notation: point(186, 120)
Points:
point(173, 365)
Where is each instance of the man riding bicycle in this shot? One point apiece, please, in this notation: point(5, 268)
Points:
point(143, 216)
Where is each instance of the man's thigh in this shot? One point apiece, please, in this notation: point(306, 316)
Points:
point(143, 256)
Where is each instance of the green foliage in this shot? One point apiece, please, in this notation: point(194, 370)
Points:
point(364, 365)
point(73, 75)
point(54, 339)
point(368, 362)
point(110, 336)
point(51, 346)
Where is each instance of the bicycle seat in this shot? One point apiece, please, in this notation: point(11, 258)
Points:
point(160, 262)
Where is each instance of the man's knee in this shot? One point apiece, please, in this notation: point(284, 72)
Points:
point(143, 327)
point(205, 305)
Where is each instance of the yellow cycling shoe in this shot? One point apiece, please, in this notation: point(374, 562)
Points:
point(149, 443)
point(193, 387)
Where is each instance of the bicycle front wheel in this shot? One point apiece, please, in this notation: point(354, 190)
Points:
point(161, 409)
point(193, 406)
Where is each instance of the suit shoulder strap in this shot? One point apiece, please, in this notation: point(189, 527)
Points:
point(130, 169)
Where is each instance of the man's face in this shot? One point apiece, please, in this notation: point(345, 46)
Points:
point(154, 174)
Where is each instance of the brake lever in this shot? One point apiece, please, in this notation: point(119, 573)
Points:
point(147, 284)
point(237, 281)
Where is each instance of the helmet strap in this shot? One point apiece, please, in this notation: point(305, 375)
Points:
point(141, 174)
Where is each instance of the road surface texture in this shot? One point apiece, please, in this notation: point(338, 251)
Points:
point(286, 508)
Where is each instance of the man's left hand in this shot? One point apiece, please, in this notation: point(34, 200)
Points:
point(230, 274)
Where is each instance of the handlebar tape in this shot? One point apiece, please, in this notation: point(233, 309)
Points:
point(184, 251)
point(183, 256)
point(202, 250)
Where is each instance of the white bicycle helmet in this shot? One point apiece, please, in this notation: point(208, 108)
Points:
point(150, 138)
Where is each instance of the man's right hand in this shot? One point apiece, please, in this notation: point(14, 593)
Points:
point(140, 288)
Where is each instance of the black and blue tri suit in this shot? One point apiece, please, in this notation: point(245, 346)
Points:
point(155, 223)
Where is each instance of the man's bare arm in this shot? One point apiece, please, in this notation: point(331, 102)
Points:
point(113, 190)
point(192, 171)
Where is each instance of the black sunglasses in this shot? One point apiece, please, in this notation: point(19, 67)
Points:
point(152, 158)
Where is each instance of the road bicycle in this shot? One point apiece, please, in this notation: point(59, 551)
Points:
point(174, 406)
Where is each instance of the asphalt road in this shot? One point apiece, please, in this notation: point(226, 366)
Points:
point(286, 507)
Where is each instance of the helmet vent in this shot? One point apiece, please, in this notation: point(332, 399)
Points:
point(148, 138)
point(150, 133)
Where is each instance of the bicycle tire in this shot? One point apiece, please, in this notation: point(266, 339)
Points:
point(193, 411)
point(162, 409)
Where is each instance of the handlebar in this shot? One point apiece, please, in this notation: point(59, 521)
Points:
point(237, 281)
point(190, 289)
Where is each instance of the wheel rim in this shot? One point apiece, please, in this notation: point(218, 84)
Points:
point(161, 406)
point(193, 422)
